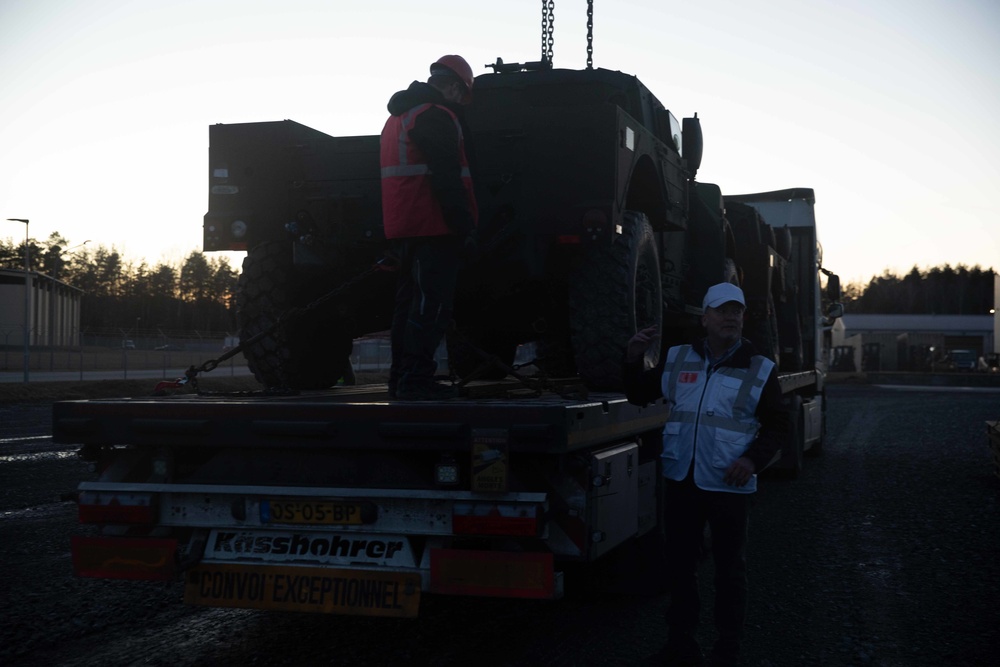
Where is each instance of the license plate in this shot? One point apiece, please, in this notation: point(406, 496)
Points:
point(308, 589)
point(317, 512)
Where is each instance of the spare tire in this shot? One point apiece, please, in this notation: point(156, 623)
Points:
point(615, 292)
point(308, 352)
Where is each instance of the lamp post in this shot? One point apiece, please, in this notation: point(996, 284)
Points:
point(27, 295)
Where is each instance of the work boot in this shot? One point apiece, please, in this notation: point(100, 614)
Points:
point(425, 392)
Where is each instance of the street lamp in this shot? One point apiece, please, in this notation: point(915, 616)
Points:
point(27, 294)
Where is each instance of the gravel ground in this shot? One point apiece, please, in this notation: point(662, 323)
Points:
point(885, 552)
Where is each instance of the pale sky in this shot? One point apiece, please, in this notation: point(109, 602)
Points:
point(887, 108)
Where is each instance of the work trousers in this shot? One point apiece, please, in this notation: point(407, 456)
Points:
point(425, 298)
point(687, 509)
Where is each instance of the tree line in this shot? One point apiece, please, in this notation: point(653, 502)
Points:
point(199, 294)
point(122, 294)
point(941, 290)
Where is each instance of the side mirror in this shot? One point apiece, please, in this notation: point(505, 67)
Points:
point(835, 311)
point(833, 287)
point(693, 141)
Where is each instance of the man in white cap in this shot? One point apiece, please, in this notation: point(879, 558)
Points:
point(727, 421)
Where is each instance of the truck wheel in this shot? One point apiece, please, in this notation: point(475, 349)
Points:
point(615, 292)
point(307, 353)
point(761, 328)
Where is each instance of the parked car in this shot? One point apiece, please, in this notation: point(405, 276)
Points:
point(128, 345)
point(962, 360)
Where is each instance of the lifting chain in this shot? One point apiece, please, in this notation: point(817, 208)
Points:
point(548, 25)
point(590, 34)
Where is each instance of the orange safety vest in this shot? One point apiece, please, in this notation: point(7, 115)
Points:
point(409, 207)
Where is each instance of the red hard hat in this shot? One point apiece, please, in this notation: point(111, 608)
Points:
point(459, 68)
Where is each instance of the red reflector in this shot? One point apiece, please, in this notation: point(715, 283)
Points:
point(480, 519)
point(495, 525)
point(116, 514)
point(492, 573)
point(569, 239)
point(126, 508)
point(124, 558)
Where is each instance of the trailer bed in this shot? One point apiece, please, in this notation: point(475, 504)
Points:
point(343, 417)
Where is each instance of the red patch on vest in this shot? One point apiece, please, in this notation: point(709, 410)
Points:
point(687, 378)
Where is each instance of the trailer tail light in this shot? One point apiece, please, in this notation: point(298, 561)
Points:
point(113, 507)
point(493, 574)
point(124, 557)
point(496, 519)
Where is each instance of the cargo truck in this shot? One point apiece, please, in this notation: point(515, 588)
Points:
point(306, 496)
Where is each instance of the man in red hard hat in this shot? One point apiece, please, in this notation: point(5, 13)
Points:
point(430, 215)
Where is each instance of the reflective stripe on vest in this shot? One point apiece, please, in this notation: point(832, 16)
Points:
point(409, 207)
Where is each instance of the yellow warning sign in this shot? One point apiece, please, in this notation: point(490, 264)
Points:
point(489, 460)
point(327, 590)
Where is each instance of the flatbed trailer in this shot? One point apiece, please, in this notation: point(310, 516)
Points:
point(592, 226)
point(342, 501)
point(341, 417)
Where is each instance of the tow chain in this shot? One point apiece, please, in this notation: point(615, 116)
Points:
point(290, 315)
point(535, 385)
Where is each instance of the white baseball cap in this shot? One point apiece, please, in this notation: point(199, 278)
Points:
point(723, 293)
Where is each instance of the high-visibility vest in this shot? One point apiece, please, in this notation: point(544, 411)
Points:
point(409, 207)
point(712, 418)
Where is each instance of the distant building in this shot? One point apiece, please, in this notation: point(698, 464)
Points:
point(907, 342)
point(996, 310)
point(53, 310)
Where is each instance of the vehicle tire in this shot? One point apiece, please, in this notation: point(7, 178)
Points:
point(730, 272)
point(309, 352)
point(761, 328)
point(615, 292)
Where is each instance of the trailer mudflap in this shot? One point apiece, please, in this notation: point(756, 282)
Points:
point(124, 557)
point(354, 592)
point(493, 574)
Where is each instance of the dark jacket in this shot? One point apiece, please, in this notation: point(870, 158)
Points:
point(645, 386)
point(435, 136)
